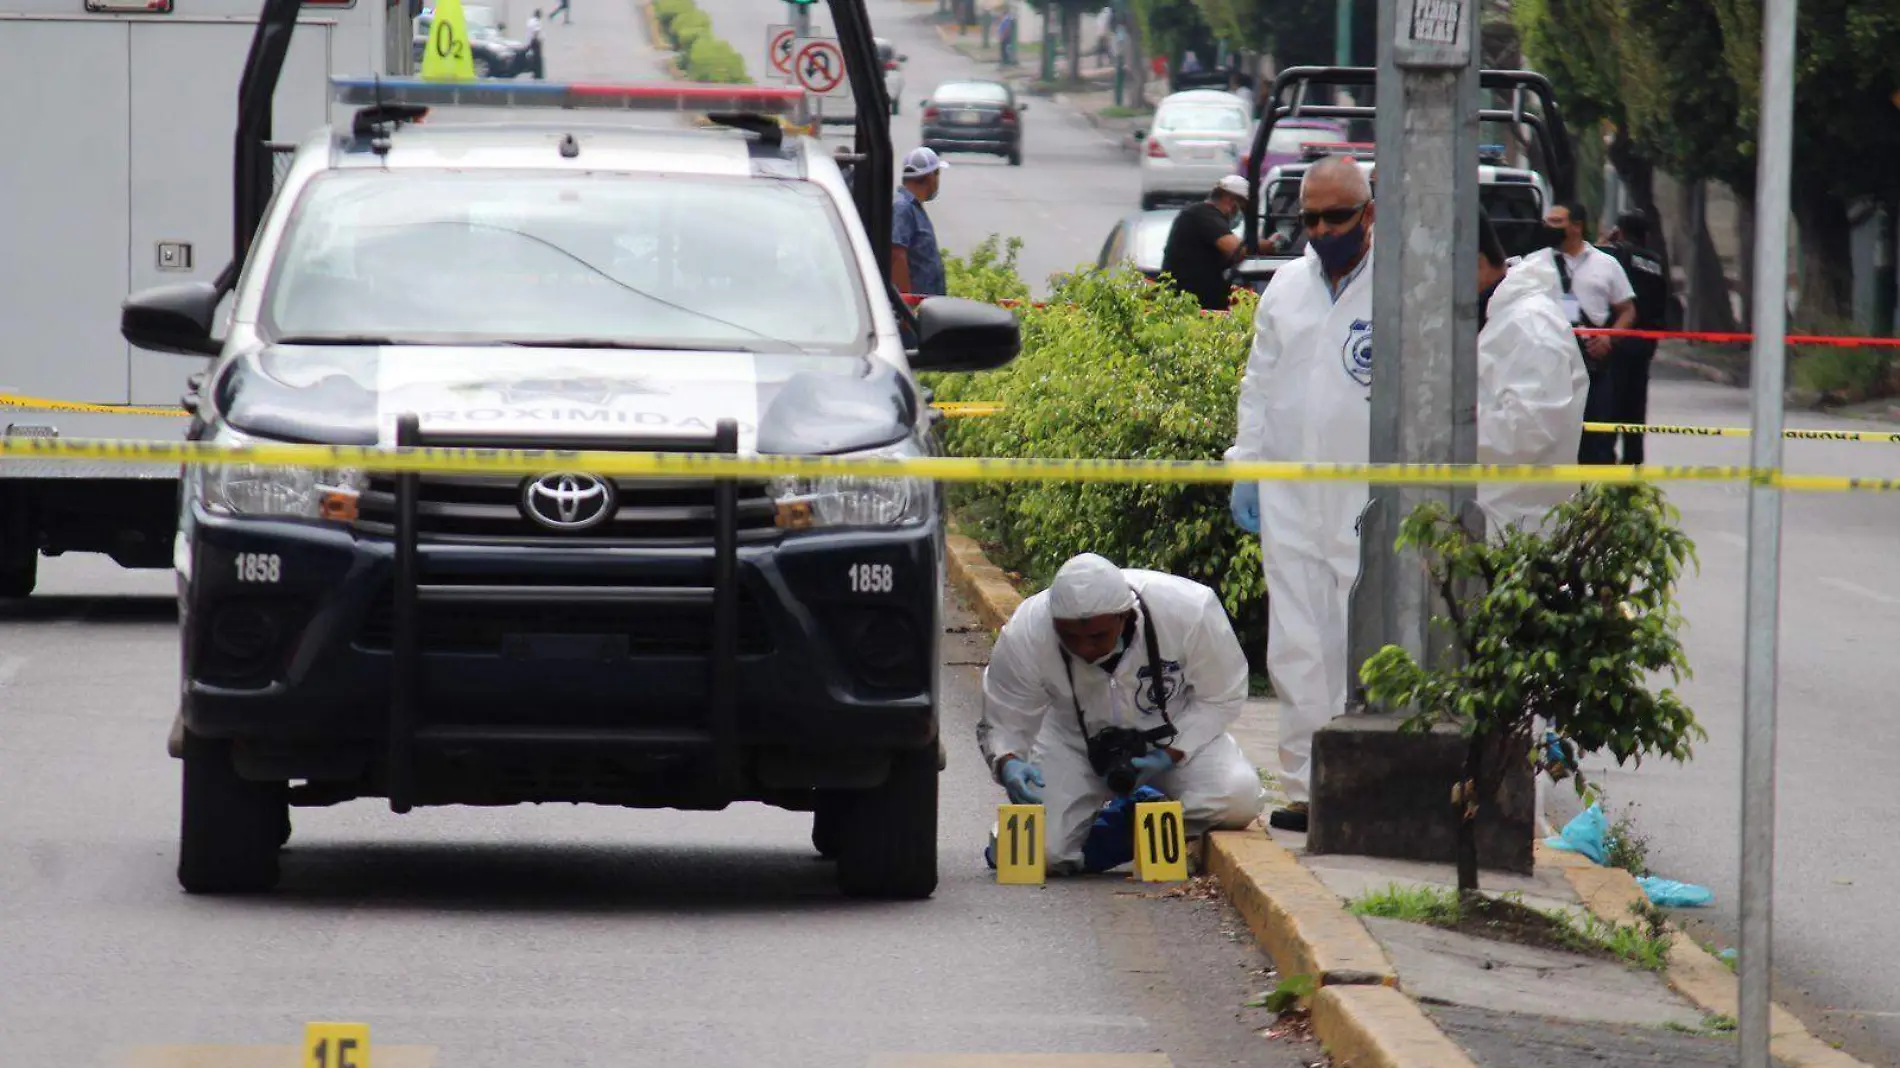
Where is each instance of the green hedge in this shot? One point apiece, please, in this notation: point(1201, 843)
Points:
point(703, 56)
point(1116, 367)
point(665, 11)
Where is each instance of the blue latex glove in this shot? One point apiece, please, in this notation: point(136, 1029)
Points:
point(1151, 765)
point(1246, 506)
point(1018, 775)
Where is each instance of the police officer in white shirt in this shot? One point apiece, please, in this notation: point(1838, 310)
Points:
point(1595, 292)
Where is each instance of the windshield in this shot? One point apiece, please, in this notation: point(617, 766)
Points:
point(1516, 211)
point(1201, 117)
point(971, 92)
point(439, 257)
point(1288, 139)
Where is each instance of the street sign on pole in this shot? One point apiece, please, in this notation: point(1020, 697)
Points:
point(818, 67)
point(779, 40)
point(1774, 150)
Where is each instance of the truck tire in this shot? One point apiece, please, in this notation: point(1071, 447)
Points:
point(230, 828)
point(827, 824)
point(887, 842)
point(19, 569)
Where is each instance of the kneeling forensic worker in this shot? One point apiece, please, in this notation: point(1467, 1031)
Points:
point(1110, 682)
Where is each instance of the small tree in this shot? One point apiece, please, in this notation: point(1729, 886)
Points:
point(1567, 626)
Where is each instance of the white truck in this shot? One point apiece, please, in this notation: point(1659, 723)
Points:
point(118, 176)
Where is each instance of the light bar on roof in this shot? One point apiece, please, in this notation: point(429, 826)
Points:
point(748, 99)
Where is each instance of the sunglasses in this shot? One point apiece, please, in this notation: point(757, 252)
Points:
point(1332, 216)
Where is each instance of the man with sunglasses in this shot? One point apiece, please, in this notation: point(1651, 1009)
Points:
point(1306, 397)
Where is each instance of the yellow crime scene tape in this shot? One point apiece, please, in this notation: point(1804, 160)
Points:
point(937, 468)
point(46, 404)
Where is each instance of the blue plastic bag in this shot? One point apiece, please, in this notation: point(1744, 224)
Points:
point(1587, 834)
point(1671, 894)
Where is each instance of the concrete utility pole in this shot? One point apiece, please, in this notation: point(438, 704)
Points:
point(801, 18)
point(1424, 333)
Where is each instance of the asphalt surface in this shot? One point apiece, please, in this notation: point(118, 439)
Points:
point(549, 935)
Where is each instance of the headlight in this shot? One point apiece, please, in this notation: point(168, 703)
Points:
point(850, 501)
point(279, 492)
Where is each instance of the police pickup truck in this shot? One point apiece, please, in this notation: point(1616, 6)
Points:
point(471, 638)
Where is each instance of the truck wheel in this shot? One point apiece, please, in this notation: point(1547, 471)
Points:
point(887, 845)
point(230, 828)
point(19, 569)
point(827, 823)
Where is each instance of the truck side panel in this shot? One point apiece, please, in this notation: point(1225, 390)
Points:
point(181, 168)
point(64, 208)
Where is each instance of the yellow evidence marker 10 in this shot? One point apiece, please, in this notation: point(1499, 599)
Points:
point(1021, 845)
point(336, 1045)
point(446, 57)
point(1160, 842)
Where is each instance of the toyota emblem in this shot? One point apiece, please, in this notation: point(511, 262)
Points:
point(567, 502)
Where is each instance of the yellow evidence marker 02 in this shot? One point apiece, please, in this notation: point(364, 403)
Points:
point(1160, 842)
point(446, 57)
point(1021, 845)
point(336, 1045)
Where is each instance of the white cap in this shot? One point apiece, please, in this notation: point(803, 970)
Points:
point(1234, 184)
point(1089, 586)
point(923, 161)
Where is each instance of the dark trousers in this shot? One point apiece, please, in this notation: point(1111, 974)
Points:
point(1629, 373)
point(1599, 407)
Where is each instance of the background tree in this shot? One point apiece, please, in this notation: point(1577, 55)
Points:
point(1568, 627)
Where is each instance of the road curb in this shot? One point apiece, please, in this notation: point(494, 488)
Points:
point(1609, 892)
point(1378, 1027)
point(984, 584)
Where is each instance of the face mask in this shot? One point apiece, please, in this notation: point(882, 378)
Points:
point(1336, 251)
point(1556, 236)
point(1121, 646)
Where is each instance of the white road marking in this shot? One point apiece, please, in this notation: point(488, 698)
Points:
point(1856, 588)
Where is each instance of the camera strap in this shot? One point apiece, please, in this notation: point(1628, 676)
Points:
point(1156, 692)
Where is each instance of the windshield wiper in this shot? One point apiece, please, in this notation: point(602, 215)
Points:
point(632, 346)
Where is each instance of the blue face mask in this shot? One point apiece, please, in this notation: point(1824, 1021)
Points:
point(1336, 251)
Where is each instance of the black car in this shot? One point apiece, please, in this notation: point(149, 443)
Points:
point(975, 116)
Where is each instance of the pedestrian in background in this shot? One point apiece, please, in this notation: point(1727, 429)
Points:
point(1306, 397)
point(1202, 245)
point(1595, 293)
point(916, 262)
point(534, 45)
point(1630, 357)
point(561, 10)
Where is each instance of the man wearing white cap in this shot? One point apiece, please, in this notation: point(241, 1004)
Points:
point(916, 264)
point(1104, 650)
point(1202, 245)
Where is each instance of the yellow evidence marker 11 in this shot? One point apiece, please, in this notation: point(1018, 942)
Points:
point(1160, 842)
point(336, 1045)
point(1021, 846)
point(446, 57)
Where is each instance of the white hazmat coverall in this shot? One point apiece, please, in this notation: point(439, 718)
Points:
point(1029, 710)
point(1306, 397)
point(1532, 385)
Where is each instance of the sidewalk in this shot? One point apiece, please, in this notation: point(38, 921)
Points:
point(1402, 994)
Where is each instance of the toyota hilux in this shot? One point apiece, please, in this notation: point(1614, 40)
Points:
point(474, 638)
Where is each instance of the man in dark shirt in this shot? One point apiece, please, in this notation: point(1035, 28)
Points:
point(1630, 357)
point(1202, 244)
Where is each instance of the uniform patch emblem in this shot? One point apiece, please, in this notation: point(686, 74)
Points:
point(1170, 685)
point(1356, 355)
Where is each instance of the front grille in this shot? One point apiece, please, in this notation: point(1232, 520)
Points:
point(674, 629)
point(469, 508)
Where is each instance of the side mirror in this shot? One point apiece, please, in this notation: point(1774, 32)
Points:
point(954, 334)
point(1139, 134)
point(1023, 106)
point(903, 59)
point(174, 318)
point(924, 103)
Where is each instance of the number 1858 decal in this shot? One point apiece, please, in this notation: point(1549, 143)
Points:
point(872, 578)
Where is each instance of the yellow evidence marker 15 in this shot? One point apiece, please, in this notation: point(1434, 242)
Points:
point(1021, 846)
point(336, 1045)
point(1160, 842)
point(446, 57)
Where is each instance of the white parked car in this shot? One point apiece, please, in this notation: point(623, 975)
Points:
point(842, 111)
point(1198, 137)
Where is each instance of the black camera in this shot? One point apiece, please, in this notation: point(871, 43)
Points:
point(1113, 751)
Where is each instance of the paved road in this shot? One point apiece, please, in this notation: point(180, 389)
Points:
point(539, 936)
